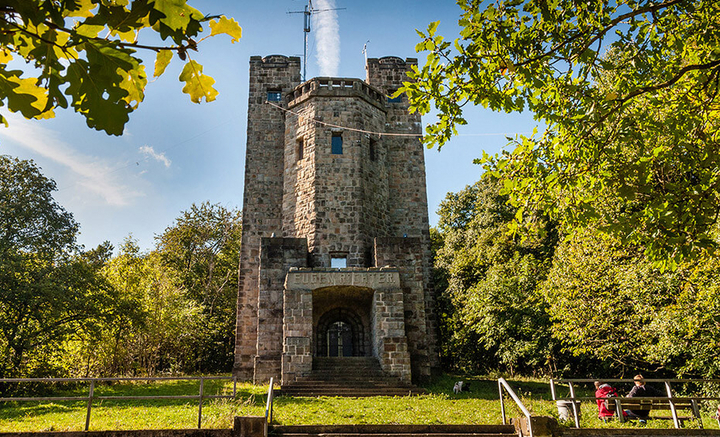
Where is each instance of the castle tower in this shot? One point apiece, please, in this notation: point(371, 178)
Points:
point(335, 246)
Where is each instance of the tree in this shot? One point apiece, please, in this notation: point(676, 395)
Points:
point(202, 248)
point(492, 312)
point(605, 298)
point(160, 334)
point(86, 50)
point(628, 93)
point(50, 289)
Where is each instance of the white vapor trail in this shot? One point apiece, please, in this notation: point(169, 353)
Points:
point(326, 26)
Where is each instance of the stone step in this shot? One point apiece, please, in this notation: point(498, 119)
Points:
point(345, 361)
point(341, 368)
point(350, 391)
point(345, 383)
point(327, 375)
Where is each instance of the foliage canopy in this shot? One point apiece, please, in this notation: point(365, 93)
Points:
point(628, 93)
point(51, 290)
point(581, 304)
point(84, 54)
point(491, 298)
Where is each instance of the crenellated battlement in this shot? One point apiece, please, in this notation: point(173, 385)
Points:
point(336, 87)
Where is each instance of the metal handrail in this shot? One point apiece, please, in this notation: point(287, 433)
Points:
point(269, 404)
point(502, 383)
point(91, 391)
point(671, 398)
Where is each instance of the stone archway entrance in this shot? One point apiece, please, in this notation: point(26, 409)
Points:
point(342, 321)
point(340, 333)
point(356, 313)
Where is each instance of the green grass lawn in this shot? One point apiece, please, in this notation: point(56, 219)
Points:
point(440, 405)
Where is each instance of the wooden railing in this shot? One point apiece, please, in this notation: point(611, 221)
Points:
point(91, 397)
point(672, 401)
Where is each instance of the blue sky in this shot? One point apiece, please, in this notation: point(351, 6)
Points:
point(174, 152)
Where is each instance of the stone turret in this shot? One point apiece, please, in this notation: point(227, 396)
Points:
point(334, 187)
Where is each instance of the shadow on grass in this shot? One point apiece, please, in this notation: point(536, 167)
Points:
point(245, 395)
point(484, 388)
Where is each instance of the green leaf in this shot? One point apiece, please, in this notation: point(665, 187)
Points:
point(177, 13)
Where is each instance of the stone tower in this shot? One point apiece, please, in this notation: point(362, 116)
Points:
point(335, 244)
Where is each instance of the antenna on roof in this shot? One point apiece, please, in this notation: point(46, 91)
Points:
point(309, 10)
point(364, 50)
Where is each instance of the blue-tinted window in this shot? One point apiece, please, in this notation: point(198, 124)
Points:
point(392, 99)
point(274, 96)
point(336, 144)
point(338, 261)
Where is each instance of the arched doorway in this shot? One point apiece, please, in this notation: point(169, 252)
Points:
point(340, 333)
point(339, 340)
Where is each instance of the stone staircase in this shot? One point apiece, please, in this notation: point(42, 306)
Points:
point(349, 376)
point(393, 431)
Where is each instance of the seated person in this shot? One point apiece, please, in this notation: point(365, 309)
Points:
point(641, 390)
point(604, 391)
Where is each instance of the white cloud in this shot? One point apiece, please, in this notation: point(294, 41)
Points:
point(326, 26)
point(150, 152)
point(89, 172)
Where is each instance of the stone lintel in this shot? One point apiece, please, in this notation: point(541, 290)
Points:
point(311, 279)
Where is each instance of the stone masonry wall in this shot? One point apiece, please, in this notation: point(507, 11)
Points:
point(409, 215)
point(338, 201)
point(407, 254)
point(277, 257)
point(391, 344)
point(263, 192)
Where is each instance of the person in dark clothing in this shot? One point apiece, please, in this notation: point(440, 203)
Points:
point(641, 390)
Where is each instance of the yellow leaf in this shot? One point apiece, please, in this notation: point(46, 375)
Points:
point(28, 87)
point(116, 2)
point(197, 85)
point(61, 40)
point(83, 10)
point(129, 36)
point(161, 62)
point(611, 96)
point(177, 13)
point(89, 30)
point(50, 113)
point(134, 83)
point(5, 57)
point(227, 26)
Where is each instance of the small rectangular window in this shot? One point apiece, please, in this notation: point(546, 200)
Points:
point(274, 96)
point(337, 144)
point(338, 261)
point(373, 150)
point(300, 148)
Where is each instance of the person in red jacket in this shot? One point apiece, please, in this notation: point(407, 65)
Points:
point(603, 391)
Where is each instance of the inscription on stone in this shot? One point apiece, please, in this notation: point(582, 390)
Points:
point(327, 279)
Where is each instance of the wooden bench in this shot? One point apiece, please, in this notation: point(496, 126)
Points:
point(649, 404)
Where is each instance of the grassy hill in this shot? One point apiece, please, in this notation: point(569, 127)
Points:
point(440, 405)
